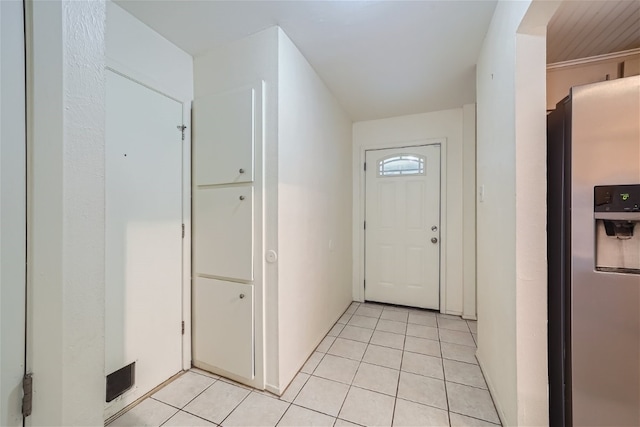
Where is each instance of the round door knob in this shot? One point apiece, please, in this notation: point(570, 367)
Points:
point(241, 170)
point(241, 296)
point(241, 197)
point(434, 240)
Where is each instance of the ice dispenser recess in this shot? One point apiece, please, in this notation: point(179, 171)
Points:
point(616, 212)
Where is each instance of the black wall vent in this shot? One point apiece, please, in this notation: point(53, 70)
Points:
point(120, 381)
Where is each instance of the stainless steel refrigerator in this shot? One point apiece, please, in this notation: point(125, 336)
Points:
point(593, 230)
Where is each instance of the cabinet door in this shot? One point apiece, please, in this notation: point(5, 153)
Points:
point(223, 232)
point(223, 332)
point(224, 137)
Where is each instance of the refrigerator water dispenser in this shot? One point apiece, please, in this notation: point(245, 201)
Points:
point(617, 215)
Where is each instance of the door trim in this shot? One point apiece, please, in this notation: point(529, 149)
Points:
point(359, 213)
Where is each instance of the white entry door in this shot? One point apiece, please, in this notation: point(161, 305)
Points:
point(143, 235)
point(13, 212)
point(402, 228)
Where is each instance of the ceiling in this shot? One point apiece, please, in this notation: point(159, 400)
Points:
point(581, 29)
point(385, 58)
point(379, 58)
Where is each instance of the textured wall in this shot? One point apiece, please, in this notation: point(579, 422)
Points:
point(66, 320)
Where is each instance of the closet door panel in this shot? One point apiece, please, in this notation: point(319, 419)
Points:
point(223, 232)
point(223, 329)
point(224, 137)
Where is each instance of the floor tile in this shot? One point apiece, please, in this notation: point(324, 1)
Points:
point(297, 416)
point(383, 356)
point(345, 423)
point(458, 420)
point(356, 334)
point(461, 353)
point(344, 319)
point(387, 339)
point(422, 346)
point(184, 419)
point(369, 311)
point(471, 401)
point(257, 410)
point(363, 321)
point(203, 372)
point(353, 307)
point(423, 319)
point(348, 348)
point(367, 408)
point(421, 331)
point(464, 373)
point(411, 414)
point(217, 402)
point(337, 369)
point(377, 378)
point(335, 331)
point(421, 364)
point(454, 325)
point(325, 344)
point(456, 337)
point(473, 326)
point(294, 388)
point(312, 362)
point(183, 389)
point(322, 395)
point(420, 389)
point(149, 412)
point(398, 316)
point(391, 326)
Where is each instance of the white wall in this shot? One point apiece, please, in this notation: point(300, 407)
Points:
point(511, 220)
point(12, 212)
point(139, 53)
point(314, 209)
point(66, 208)
point(243, 63)
point(447, 124)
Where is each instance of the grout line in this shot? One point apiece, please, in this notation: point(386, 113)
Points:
point(236, 407)
point(476, 418)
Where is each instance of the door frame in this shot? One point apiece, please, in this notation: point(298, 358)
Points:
point(155, 86)
point(359, 210)
point(13, 206)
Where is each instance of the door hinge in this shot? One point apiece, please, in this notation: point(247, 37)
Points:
point(183, 327)
point(364, 284)
point(182, 128)
point(27, 394)
point(365, 225)
point(365, 166)
point(183, 231)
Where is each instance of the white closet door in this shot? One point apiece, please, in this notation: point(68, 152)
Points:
point(224, 136)
point(223, 335)
point(143, 235)
point(223, 232)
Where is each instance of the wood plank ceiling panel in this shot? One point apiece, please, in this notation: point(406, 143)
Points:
point(581, 29)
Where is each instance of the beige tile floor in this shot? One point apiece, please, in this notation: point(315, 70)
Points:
point(378, 366)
